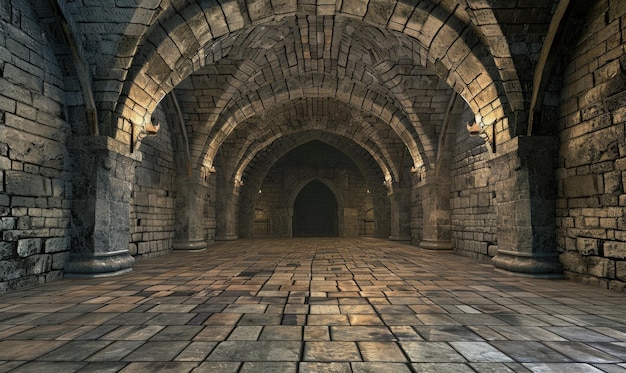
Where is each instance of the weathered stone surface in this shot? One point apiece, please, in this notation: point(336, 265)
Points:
point(29, 246)
point(23, 184)
point(615, 249)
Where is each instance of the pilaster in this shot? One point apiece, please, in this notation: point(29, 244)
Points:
point(436, 228)
point(104, 172)
point(191, 198)
point(525, 194)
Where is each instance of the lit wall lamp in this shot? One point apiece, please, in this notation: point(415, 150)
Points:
point(149, 129)
point(238, 184)
point(473, 129)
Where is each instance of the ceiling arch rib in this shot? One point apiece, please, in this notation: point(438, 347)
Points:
point(150, 83)
point(360, 99)
point(259, 167)
point(293, 118)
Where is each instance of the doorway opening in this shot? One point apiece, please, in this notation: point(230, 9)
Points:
point(315, 212)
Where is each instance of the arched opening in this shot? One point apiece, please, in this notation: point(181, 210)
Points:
point(315, 212)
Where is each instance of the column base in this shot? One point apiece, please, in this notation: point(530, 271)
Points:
point(400, 237)
point(227, 237)
point(99, 265)
point(536, 265)
point(192, 245)
point(436, 245)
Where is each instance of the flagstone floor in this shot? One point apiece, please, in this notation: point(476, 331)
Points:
point(313, 305)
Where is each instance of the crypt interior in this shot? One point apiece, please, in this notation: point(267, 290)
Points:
point(465, 147)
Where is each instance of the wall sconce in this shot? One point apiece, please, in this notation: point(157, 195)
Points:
point(474, 129)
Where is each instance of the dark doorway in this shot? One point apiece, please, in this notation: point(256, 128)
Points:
point(315, 212)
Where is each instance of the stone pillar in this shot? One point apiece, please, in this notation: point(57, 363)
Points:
point(399, 201)
point(227, 216)
point(191, 197)
point(525, 194)
point(436, 232)
point(104, 173)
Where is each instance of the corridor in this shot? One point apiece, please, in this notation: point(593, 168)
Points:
point(313, 305)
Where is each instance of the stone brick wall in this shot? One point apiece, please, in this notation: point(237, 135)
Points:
point(472, 200)
point(34, 167)
point(152, 213)
point(591, 205)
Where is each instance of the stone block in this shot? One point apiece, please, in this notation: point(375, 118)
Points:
point(11, 270)
point(57, 244)
point(59, 260)
point(588, 246)
point(38, 264)
point(583, 186)
point(615, 249)
point(23, 184)
point(7, 223)
point(600, 267)
point(28, 247)
point(7, 249)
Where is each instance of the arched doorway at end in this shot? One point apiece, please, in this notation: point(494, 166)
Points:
point(315, 212)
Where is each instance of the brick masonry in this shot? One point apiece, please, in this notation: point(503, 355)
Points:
point(256, 80)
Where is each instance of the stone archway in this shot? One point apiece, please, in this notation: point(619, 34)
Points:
point(315, 212)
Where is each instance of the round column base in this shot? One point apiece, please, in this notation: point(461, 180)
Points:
point(99, 265)
point(226, 237)
point(538, 265)
point(436, 245)
point(400, 237)
point(192, 245)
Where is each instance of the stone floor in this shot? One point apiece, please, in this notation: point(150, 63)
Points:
point(313, 305)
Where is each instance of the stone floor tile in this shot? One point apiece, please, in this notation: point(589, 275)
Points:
point(437, 319)
point(196, 351)
point(103, 367)
point(260, 319)
point(561, 368)
point(281, 333)
point(316, 333)
point(496, 368)
point(374, 367)
point(381, 352)
point(256, 351)
point(269, 367)
point(157, 351)
point(617, 349)
point(245, 333)
point(480, 352)
point(328, 320)
point(177, 333)
point(313, 367)
point(581, 352)
point(26, 349)
point(529, 351)
point(526, 333)
point(203, 301)
point(115, 351)
point(50, 367)
point(75, 351)
point(575, 333)
point(160, 366)
point(431, 352)
point(441, 367)
point(361, 333)
point(133, 332)
point(446, 333)
point(331, 351)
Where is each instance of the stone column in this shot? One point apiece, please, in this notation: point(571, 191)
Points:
point(104, 173)
point(191, 197)
point(227, 216)
point(525, 194)
point(399, 201)
point(436, 232)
